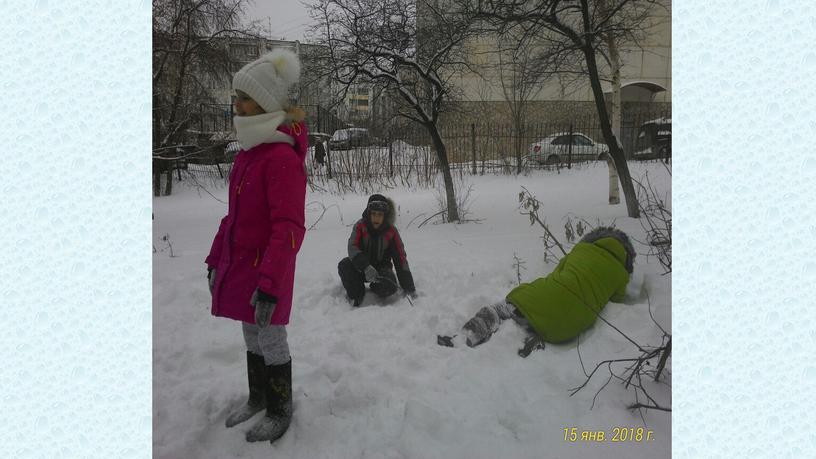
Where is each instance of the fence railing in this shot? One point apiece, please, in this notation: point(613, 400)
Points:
point(357, 159)
point(215, 119)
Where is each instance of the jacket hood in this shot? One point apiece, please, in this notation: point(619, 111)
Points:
point(299, 132)
point(390, 215)
point(606, 238)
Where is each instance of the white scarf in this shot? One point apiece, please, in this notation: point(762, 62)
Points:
point(258, 129)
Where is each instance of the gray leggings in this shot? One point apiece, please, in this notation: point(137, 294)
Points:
point(270, 342)
point(487, 321)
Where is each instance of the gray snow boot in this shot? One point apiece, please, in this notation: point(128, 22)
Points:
point(482, 326)
point(278, 405)
point(256, 375)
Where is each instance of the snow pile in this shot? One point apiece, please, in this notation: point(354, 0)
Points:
point(372, 381)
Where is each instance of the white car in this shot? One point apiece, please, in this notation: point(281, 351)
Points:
point(231, 150)
point(555, 149)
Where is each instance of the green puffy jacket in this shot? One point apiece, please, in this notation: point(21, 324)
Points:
point(564, 304)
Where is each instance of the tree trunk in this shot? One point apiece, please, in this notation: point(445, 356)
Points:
point(614, 148)
point(519, 143)
point(156, 180)
point(614, 56)
point(157, 121)
point(442, 155)
point(157, 135)
point(614, 190)
point(168, 184)
point(175, 105)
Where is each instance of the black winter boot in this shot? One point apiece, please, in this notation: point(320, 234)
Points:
point(278, 405)
point(256, 375)
point(357, 300)
point(353, 281)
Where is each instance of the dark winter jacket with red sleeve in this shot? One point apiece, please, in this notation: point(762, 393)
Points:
point(258, 241)
point(381, 248)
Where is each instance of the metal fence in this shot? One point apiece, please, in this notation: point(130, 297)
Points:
point(359, 155)
point(321, 119)
point(356, 158)
point(215, 119)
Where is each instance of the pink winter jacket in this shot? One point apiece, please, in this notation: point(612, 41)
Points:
point(258, 241)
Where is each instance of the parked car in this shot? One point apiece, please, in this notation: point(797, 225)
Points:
point(654, 140)
point(346, 139)
point(231, 150)
point(555, 149)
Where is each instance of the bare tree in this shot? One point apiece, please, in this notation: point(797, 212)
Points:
point(635, 20)
point(585, 26)
point(409, 48)
point(657, 224)
point(636, 373)
point(521, 76)
point(190, 56)
point(529, 206)
point(526, 60)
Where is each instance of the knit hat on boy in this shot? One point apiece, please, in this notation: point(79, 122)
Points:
point(267, 79)
point(378, 202)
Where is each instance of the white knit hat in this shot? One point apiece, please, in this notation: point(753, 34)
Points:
point(267, 79)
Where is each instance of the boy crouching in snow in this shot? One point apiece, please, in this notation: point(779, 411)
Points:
point(559, 307)
point(372, 247)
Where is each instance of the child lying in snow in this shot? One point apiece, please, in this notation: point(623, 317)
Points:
point(559, 307)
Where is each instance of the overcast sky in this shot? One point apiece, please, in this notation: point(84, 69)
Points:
point(288, 18)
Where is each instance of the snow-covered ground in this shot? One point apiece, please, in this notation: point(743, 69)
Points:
point(372, 382)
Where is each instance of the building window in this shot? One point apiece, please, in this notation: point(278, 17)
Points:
point(242, 51)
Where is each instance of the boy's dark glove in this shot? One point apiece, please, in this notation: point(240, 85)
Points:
point(531, 343)
point(446, 341)
point(371, 274)
point(412, 294)
point(211, 278)
point(264, 304)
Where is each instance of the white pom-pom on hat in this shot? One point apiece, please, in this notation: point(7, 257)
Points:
point(286, 63)
point(267, 79)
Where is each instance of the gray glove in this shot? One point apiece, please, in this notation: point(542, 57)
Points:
point(264, 307)
point(371, 274)
point(211, 279)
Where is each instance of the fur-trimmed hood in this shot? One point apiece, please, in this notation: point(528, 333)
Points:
point(607, 231)
point(390, 215)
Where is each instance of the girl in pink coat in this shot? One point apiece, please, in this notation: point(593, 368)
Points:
point(251, 265)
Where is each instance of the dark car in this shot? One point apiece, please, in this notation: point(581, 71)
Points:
point(654, 140)
point(347, 139)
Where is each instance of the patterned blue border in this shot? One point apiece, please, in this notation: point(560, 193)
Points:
point(76, 206)
point(76, 331)
point(743, 175)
